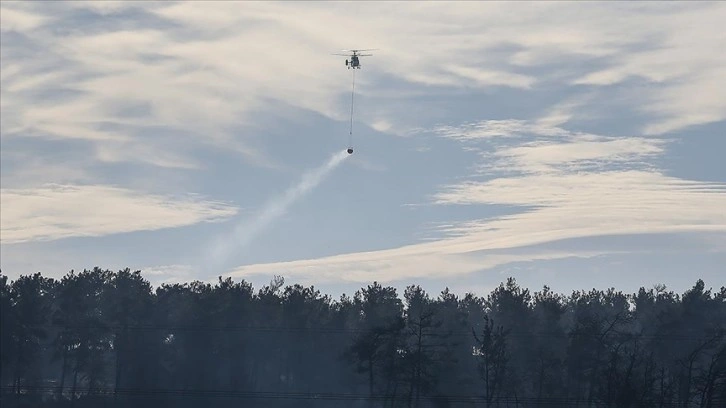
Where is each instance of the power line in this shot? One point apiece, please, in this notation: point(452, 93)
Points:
point(320, 396)
point(380, 330)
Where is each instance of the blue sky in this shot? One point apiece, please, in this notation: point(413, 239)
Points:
point(574, 144)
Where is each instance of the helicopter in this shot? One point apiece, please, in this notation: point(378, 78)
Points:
point(354, 62)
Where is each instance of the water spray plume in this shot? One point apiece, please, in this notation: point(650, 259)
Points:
point(244, 231)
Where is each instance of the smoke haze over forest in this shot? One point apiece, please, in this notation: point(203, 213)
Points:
point(110, 338)
point(573, 144)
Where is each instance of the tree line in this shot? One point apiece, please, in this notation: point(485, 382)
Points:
point(104, 338)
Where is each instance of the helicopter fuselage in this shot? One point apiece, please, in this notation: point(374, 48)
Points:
point(354, 62)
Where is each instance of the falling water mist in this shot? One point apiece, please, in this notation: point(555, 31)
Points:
point(244, 231)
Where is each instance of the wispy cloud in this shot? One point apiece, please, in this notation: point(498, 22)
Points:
point(574, 205)
point(572, 185)
point(487, 129)
point(155, 82)
point(440, 260)
point(58, 211)
point(580, 185)
point(161, 274)
point(16, 20)
point(118, 89)
point(684, 71)
point(187, 66)
point(576, 154)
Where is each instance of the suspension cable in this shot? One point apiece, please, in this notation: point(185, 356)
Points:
point(352, 95)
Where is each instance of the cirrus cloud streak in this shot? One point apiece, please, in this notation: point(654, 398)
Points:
point(569, 186)
point(62, 211)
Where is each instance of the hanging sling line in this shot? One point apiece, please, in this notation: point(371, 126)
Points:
point(352, 96)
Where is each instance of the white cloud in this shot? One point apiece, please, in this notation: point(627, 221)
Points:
point(488, 129)
point(563, 112)
point(12, 19)
point(686, 71)
point(160, 274)
point(120, 152)
point(443, 259)
point(482, 77)
point(61, 211)
point(579, 185)
point(589, 204)
point(569, 186)
point(582, 152)
point(381, 125)
point(108, 75)
point(219, 65)
point(554, 149)
point(697, 100)
point(617, 203)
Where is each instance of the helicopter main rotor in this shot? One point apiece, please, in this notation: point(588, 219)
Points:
point(355, 53)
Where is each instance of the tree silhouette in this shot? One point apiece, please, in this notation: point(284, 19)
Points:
point(98, 338)
point(492, 353)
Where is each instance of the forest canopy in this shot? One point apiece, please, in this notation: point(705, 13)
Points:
point(100, 337)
